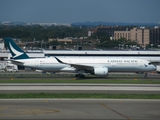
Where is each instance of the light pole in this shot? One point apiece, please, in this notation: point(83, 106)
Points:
point(151, 46)
point(126, 46)
point(119, 46)
point(122, 46)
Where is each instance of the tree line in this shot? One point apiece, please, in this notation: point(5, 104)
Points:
point(42, 33)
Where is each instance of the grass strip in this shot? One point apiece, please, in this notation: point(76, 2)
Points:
point(63, 75)
point(80, 95)
point(63, 80)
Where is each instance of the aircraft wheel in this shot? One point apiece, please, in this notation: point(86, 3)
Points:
point(80, 76)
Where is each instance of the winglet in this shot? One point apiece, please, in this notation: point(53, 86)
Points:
point(59, 60)
point(16, 52)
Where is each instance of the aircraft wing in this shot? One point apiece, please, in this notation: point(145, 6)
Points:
point(83, 68)
point(77, 66)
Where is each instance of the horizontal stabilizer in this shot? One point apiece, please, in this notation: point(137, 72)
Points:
point(16, 62)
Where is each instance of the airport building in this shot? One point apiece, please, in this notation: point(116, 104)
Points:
point(140, 35)
point(106, 29)
point(155, 35)
point(143, 36)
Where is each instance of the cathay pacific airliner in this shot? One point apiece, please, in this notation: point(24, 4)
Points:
point(99, 66)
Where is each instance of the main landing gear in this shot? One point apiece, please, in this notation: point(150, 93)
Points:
point(80, 76)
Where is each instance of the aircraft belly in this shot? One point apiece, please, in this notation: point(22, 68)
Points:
point(55, 67)
point(48, 67)
point(127, 69)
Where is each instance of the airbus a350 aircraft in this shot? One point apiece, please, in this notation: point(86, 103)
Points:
point(99, 66)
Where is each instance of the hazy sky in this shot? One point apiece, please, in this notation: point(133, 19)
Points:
point(68, 11)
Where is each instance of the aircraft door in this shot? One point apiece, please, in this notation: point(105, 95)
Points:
point(141, 64)
point(37, 63)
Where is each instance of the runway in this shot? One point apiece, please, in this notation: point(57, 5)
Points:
point(80, 88)
point(80, 109)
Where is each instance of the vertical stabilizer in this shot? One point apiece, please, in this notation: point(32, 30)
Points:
point(16, 51)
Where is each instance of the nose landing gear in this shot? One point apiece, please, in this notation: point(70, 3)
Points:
point(145, 74)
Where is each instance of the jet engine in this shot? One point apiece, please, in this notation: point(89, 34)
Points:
point(101, 71)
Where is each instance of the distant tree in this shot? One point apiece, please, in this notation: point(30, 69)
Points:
point(41, 33)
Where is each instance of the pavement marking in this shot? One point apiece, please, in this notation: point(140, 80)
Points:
point(36, 111)
point(3, 111)
point(45, 100)
point(104, 105)
point(16, 111)
point(120, 101)
point(3, 107)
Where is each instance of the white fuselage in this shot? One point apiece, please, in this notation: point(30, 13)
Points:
point(113, 64)
point(94, 65)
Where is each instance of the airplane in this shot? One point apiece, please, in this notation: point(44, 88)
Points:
point(99, 66)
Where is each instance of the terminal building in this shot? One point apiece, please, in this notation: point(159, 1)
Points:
point(139, 35)
point(142, 35)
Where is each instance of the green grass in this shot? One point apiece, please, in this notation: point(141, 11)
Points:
point(80, 95)
point(111, 79)
point(67, 76)
point(73, 80)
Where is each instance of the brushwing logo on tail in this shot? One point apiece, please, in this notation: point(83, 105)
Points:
point(17, 53)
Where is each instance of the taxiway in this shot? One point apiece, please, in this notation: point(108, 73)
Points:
point(79, 88)
point(80, 109)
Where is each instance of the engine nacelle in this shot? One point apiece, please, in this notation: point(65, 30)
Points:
point(101, 71)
